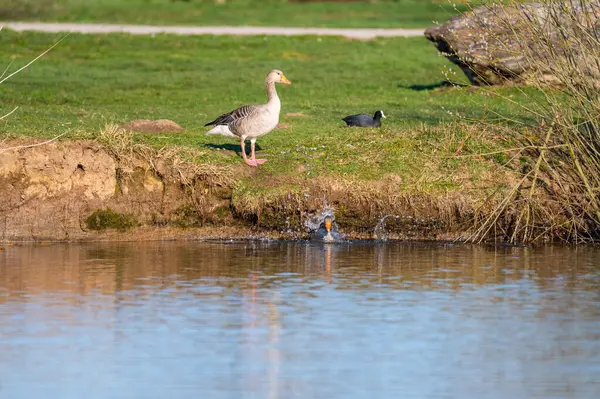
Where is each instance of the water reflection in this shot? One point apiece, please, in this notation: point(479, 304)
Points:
point(284, 320)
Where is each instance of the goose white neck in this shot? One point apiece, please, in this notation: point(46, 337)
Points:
point(272, 95)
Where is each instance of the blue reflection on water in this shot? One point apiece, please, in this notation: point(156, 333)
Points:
point(298, 321)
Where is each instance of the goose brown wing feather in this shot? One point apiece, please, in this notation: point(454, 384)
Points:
point(237, 114)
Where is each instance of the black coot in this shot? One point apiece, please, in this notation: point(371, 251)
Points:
point(364, 120)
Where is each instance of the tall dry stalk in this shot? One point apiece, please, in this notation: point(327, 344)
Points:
point(556, 49)
point(5, 76)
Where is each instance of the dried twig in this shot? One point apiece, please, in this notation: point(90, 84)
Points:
point(20, 147)
point(3, 79)
point(7, 68)
point(35, 59)
point(4, 116)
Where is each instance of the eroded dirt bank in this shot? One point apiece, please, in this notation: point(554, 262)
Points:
point(83, 190)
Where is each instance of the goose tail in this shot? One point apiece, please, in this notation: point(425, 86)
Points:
point(222, 130)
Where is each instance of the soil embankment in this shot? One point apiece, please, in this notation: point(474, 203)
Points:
point(84, 190)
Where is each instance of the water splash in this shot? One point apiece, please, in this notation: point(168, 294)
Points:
point(380, 232)
point(333, 236)
point(315, 226)
point(313, 222)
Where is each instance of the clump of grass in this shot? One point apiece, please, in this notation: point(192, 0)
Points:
point(179, 164)
point(103, 219)
point(266, 204)
point(556, 193)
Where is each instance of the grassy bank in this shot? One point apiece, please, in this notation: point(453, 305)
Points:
point(360, 14)
point(90, 81)
point(424, 158)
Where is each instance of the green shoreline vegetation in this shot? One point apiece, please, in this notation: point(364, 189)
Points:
point(90, 81)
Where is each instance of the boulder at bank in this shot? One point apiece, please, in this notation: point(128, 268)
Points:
point(521, 44)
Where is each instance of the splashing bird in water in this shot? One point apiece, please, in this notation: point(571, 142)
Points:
point(328, 237)
point(252, 121)
point(326, 231)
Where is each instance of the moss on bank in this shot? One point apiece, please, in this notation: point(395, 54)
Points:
point(103, 219)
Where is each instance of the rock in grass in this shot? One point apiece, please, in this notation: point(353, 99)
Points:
point(153, 126)
point(532, 43)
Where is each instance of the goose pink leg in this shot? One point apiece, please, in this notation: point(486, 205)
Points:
point(251, 161)
point(243, 146)
point(253, 155)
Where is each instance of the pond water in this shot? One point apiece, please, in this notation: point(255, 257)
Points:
point(298, 320)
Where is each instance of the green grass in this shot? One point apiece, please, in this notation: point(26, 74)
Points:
point(362, 14)
point(88, 81)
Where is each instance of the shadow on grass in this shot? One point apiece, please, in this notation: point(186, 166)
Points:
point(433, 86)
point(232, 147)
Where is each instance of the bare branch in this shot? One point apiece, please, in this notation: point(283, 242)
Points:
point(34, 60)
point(2, 117)
point(20, 147)
point(7, 68)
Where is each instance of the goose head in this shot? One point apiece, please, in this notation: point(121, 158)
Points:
point(277, 76)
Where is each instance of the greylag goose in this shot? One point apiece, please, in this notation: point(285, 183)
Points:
point(252, 121)
point(364, 120)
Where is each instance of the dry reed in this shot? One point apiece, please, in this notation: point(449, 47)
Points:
point(558, 50)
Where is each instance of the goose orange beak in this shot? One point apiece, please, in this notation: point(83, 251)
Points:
point(285, 80)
